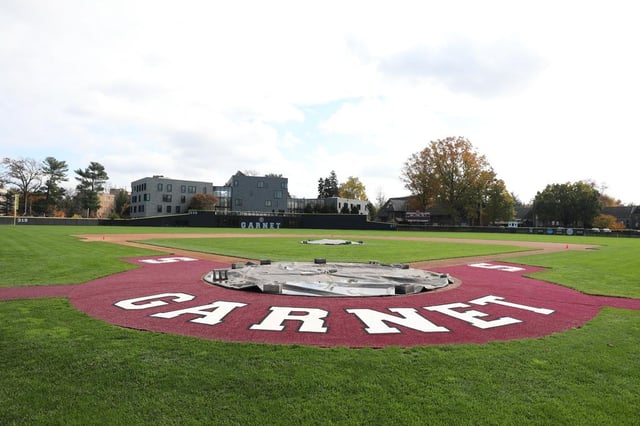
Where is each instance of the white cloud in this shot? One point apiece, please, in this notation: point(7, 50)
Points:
point(463, 66)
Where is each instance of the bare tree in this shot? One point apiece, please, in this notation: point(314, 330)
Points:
point(380, 198)
point(25, 174)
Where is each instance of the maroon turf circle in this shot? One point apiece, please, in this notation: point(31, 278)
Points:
point(495, 302)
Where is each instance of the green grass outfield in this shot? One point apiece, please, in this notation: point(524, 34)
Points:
point(59, 366)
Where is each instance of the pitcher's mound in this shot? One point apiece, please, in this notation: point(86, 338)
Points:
point(328, 279)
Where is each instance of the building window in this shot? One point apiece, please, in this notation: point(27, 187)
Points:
point(166, 198)
point(238, 202)
point(134, 198)
point(159, 187)
point(159, 208)
point(236, 182)
point(147, 197)
point(277, 195)
point(283, 185)
point(168, 209)
point(192, 189)
point(260, 184)
point(183, 199)
point(169, 187)
point(183, 188)
point(177, 209)
point(267, 203)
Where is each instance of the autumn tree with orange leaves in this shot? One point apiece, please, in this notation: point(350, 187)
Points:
point(203, 202)
point(450, 173)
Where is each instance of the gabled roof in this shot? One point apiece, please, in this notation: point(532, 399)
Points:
point(621, 212)
point(397, 204)
point(524, 213)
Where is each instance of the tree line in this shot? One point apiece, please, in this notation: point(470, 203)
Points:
point(448, 174)
point(352, 189)
point(39, 186)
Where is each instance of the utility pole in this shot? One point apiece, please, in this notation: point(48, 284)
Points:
point(16, 200)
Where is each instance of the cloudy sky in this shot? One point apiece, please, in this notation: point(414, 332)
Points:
point(548, 91)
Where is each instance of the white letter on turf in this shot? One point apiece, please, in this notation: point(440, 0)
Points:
point(504, 268)
point(212, 313)
point(161, 260)
point(131, 303)
point(312, 321)
point(471, 316)
point(500, 301)
point(409, 317)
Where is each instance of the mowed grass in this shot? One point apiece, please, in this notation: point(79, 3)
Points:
point(45, 255)
point(292, 249)
point(612, 269)
point(50, 255)
point(59, 366)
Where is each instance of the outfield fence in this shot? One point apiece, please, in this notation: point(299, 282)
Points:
point(207, 219)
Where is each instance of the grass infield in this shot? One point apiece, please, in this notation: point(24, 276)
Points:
point(58, 365)
point(292, 249)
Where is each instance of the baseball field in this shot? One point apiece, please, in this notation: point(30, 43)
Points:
point(71, 354)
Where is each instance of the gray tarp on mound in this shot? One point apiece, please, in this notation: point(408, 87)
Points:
point(334, 279)
point(331, 242)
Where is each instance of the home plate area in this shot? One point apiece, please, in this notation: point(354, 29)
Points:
point(493, 301)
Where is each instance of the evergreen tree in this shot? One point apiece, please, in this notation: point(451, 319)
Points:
point(92, 180)
point(54, 172)
point(328, 187)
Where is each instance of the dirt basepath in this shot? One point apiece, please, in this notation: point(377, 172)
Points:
point(530, 247)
